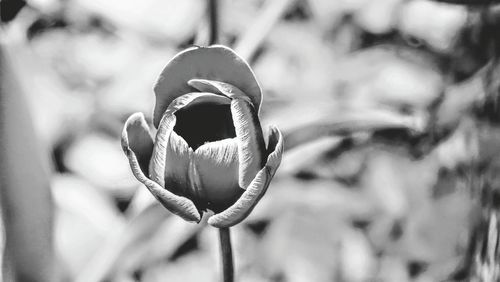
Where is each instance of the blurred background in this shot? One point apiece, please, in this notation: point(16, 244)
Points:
point(388, 108)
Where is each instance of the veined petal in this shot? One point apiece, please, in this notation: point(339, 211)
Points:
point(136, 136)
point(216, 166)
point(251, 148)
point(158, 161)
point(135, 141)
point(178, 156)
point(245, 204)
point(214, 62)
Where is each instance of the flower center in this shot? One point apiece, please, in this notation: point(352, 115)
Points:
point(204, 122)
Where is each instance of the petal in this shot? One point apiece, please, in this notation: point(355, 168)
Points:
point(193, 98)
point(245, 204)
point(157, 166)
point(134, 137)
point(251, 146)
point(178, 156)
point(223, 88)
point(215, 62)
point(216, 166)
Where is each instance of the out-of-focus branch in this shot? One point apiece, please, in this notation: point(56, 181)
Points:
point(213, 15)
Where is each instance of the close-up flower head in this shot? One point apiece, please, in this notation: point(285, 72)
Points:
point(209, 152)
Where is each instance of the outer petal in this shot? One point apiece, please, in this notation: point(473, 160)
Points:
point(251, 148)
point(136, 135)
point(217, 168)
point(245, 204)
point(215, 62)
point(138, 146)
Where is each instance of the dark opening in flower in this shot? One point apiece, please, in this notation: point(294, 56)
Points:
point(204, 122)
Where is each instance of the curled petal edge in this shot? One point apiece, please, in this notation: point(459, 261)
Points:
point(223, 88)
point(178, 205)
point(251, 145)
point(246, 203)
point(215, 61)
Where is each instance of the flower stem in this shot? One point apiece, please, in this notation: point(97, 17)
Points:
point(227, 254)
point(214, 22)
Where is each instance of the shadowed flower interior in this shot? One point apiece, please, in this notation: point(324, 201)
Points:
point(204, 122)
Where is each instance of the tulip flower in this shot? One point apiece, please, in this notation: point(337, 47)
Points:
point(209, 152)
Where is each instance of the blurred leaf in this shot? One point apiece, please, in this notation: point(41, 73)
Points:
point(435, 233)
point(297, 75)
point(160, 20)
point(343, 122)
point(56, 113)
point(165, 240)
point(137, 229)
point(306, 155)
point(252, 38)
point(357, 259)
point(288, 194)
point(395, 77)
point(459, 99)
point(85, 216)
point(461, 148)
point(469, 2)
point(378, 17)
point(398, 184)
point(418, 17)
point(302, 245)
point(392, 269)
point(99, 159)
point(26, 200)
point(190, 268)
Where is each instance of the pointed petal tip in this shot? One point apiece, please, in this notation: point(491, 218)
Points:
point(136, 140)
point(275, 148)
point(135, 120)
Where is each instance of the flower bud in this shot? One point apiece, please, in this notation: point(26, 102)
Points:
point(209, 151)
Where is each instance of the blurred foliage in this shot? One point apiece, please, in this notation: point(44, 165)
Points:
point(388, 110)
